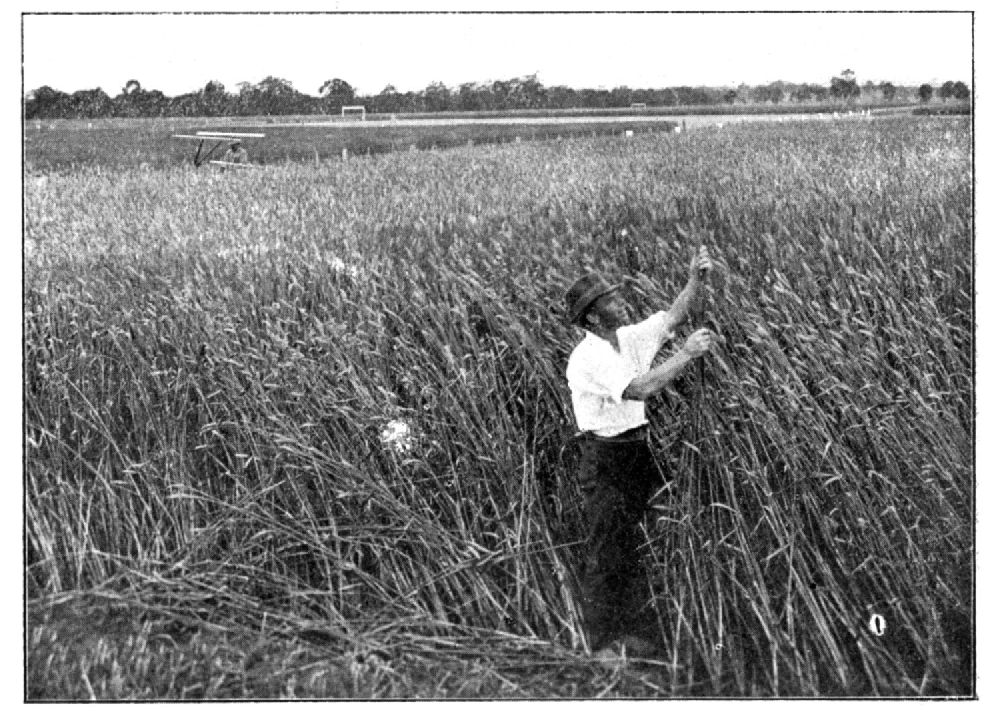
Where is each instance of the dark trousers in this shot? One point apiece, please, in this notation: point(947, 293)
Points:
point(617, 480)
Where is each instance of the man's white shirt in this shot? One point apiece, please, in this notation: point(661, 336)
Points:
point(598, 375)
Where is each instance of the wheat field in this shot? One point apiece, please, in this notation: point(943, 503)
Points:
point(304, 432)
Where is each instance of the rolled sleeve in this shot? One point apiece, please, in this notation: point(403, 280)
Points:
point(608, 384)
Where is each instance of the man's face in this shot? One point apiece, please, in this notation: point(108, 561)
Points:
point(609, 311)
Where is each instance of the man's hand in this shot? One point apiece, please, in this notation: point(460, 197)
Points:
point(700, 264)
point(700, 342)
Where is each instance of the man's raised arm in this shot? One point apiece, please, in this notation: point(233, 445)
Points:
point(660, 377)
point(681, 307)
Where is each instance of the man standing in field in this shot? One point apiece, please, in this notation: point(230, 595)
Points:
point(610, 377)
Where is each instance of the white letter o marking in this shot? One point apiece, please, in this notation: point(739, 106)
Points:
point(877, 625)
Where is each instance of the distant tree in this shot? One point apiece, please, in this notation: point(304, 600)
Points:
point(411, 101)
point(730, 96)
point(767, 93)
point(154, 103)
point(845, 87)
point(387, 101)
point(134, 101)
point(714, 95)
point(188, 105)
point(275, 85)
point(946, 90)
point(90, 104)
point(244, 98)
point(336, 93)
point(666, 97)
point(44, 102)
point(336, 86)
point(499, 92)
point(961, 91)
point(621, 96)
point(468, 97)
point(595, 98)
point(780, 90)
point(685, 96)
point(644, 96)
point(925, 92)
point(129, 102)
point(251, 99)
point(437, 97)
point(888, 90)
point(561, 97)
point(212, 100)
point(274, 95)
point(802, 93)
point(527, 92)
point(807, 92)
point(701, 95)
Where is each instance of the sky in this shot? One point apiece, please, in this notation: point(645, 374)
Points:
point(178, 53)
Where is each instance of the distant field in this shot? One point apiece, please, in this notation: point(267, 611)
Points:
point(944, 110)
point(681, 110)
point(60, 145)
point(68, 145)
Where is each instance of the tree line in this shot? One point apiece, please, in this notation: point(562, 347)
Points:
point(276, 96)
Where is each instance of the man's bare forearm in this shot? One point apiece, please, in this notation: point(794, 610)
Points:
point(659, 378)
point(683, 303)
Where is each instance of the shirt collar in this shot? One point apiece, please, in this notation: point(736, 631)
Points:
point(604, 344)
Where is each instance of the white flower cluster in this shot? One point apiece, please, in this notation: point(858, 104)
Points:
point(342, 268)
point(398, 436)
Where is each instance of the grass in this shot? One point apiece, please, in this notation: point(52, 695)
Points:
point(211, 361)
point(97, 648)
